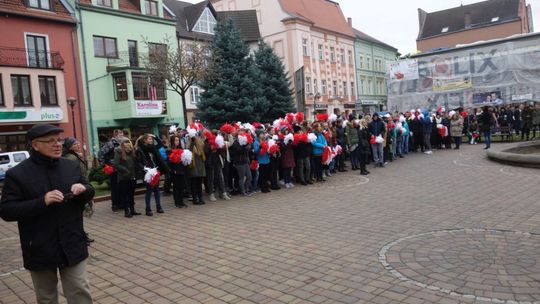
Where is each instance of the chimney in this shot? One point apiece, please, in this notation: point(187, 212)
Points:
point(349, 20)
point(467, 20)
point(422, 15)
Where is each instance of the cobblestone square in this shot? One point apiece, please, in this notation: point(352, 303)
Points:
point(452, 227)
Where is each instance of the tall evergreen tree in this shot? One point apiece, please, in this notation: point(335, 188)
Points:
point(231, 90)
point(274, 83)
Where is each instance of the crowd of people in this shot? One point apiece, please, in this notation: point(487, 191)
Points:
point(248, 158)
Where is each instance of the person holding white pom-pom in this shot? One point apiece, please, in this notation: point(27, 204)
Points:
point(377, 131)
point(287, 157)
point(178, 172)
point(148, 157)
point(240, 160)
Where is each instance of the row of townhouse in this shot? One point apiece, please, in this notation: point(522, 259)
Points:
point(79, 63)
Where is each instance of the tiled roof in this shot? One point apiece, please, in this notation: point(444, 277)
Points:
point(481, 14)
point(324, 14)
point(129, 6)
point(366, 37)
point(245, 21)
point(187, 15)
point(60, 12)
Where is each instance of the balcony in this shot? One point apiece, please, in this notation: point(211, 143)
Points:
point(125, 60)
point(18, 57)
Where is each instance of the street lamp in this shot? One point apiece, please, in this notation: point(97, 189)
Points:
point(71, 101)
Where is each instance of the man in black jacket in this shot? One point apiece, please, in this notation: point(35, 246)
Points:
point(46, 195)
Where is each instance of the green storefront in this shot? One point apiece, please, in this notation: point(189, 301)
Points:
point(113, 42)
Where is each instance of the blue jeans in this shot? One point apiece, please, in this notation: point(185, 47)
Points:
point(354, 158)
point(254, 180)
point(148, 197)
point(405, 144)
point(487, 138)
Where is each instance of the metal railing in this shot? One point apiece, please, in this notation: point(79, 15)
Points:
point(31, 58)
point(125, 59)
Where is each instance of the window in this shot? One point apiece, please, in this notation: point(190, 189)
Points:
point(361, 61)
point(315, 86)
point(133, 53)
point(37, 51)
point(345, 91)
point(41, 4)
point(332, 55)
point(207, 22)
point(104, 3)
point(151, 7)
point(368, 65)
point(342, 56)
point(444, 29)
point(120, 87)
point(158, 51)
point(368, 86)
point(323, 85)
point(22, 96)
point(352, 88)
point(160, 89)
point(334, 88)
point(2, 103)
point(105, 47)
point(140, 85)
point(321, 52)
point(305, 47)
point(350, 57)
point(308, 85)
point(47, 90)
point(362, 86)
point(195, 94)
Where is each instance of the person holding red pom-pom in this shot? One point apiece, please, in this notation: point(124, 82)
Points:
point(178, 171)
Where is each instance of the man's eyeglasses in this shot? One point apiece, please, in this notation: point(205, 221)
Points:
point(52, 141)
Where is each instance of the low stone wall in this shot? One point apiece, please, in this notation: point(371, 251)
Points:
point(510, 156)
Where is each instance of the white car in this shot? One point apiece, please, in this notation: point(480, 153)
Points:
point(9, 160)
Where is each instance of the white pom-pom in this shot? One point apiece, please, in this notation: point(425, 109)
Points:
point(344, 124)
point(275, 137)
point(271, 142)
point(172, 129)
point(403, 130)
point(187, 157)
point(401, 118)
point(399, 125)
point(191, 132)
point(249, 127)
point(220, 141)
point(312, 137)
point(288, 138)
point(439, 126)
point(379, 139)
point(431, 118)
point(421, 116)
point(332, 117)
point(242, 140)
point(443, 110)
point(452, 113)
point(413, 116)
point(338, 149)
point(276, 123)
point(150, 173)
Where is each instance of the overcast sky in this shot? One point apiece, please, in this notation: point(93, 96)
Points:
point(395, 22)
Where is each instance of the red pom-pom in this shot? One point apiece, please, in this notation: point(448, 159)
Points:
point(322, 117)
point(227, 129)
point(176, 156)
point(256, 125)
point(464, 114)
point(290, 118)
point(211, 139)
point(300, 137)
point(155, 180)
point(281, 136)
point(254, 165)
point(274, 149)
point(108, 169)
point(327, 155)
point(372, 140)
point(299, 117)
point(263, 148)
point(197, 126)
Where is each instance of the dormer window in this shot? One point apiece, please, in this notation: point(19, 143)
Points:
point(106, 3)
point(206, 23)
point(444, 29)
point(151, 7)
point(40, 4)
point(494, 19)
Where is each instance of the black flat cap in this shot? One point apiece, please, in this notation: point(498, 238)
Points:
point(41, 130)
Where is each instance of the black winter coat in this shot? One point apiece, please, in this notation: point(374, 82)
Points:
point(363, 140)
point(149, 156)
point(239, 153)
point(51, 236)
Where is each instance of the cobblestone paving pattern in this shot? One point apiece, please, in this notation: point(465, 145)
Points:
point(452, 227)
